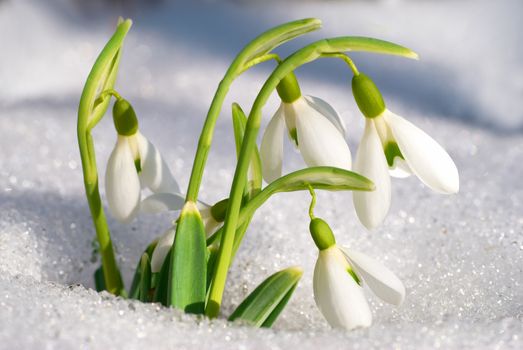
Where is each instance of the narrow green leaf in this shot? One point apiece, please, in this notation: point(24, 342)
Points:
point(213, 254)
point(279, 308)
point(265, 303)
point(160, 291)
point(276, 36)
point(323, 178)
point(101, 78)
point(188, 271)
point(145, 281)
point(134, 292)
point(239, 121)
point(99, 279)
point(357, 43)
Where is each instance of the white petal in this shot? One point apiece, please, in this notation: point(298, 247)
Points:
point(271, 149)
point(162, 249)
point(339, 298)
point(319, 141)
point(122, 185)
point(400, 169)
point(383, 282)
point(427, 159)
point(372, 207)
point(209, 223)
point(159, 202)
point(328, 111)
point(155, 172)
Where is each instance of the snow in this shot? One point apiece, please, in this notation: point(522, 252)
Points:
point(460, 257)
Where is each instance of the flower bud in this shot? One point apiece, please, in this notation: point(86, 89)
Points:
point(321, 234)
point(289, 89)
point(367, 96)
point(124, 118)
point(219, 209)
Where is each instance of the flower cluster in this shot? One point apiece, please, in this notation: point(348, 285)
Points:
point(390, 145)
point(201, 249)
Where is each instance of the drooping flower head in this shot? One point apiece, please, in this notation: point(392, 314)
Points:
point(133, 164)
point(339, 275)
point(312, 124)
point(392, 145)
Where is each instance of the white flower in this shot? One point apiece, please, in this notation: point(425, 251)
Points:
point(316, 130)
point(338, 276)
point(134, 163)
point(392, 144)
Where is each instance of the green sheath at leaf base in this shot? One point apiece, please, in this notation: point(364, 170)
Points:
point(188, 271)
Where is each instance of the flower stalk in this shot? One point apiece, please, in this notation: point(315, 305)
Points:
point(90, 111)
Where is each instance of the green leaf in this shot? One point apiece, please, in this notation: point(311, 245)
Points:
point(134, 292)
point(145, 281)
point(211, 260)
point(279, 308)
point(276, 36)
point(188, 271)
point(323, 178)
point(101, 78)
point(99, 279)
point(239, 121)
point(358, 43)
point(160, 291)
point(265, 303)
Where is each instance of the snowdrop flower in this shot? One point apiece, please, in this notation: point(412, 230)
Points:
point(134, 163)
point(212, 217)
point(338, 277)
point(313, 125)
point(391, 144)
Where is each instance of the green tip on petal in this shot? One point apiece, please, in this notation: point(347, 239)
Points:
point(392, 151)
point(367, 96)
point(321, 234)
point(124, 117)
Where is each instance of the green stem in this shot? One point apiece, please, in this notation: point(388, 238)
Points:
point(90, 111)
point(112, 276)
point(108, 92)
point(307, 54)
point(313, 202)
point(345, 58)
point(250, 55)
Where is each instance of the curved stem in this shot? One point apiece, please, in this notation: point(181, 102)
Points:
point(346, 59)
point(256, 49)
point(90, 111)
point(108, 92)
point(307, 54)
point(313, 202)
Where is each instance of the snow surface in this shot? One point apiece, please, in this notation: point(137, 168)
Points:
point(459, 256)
